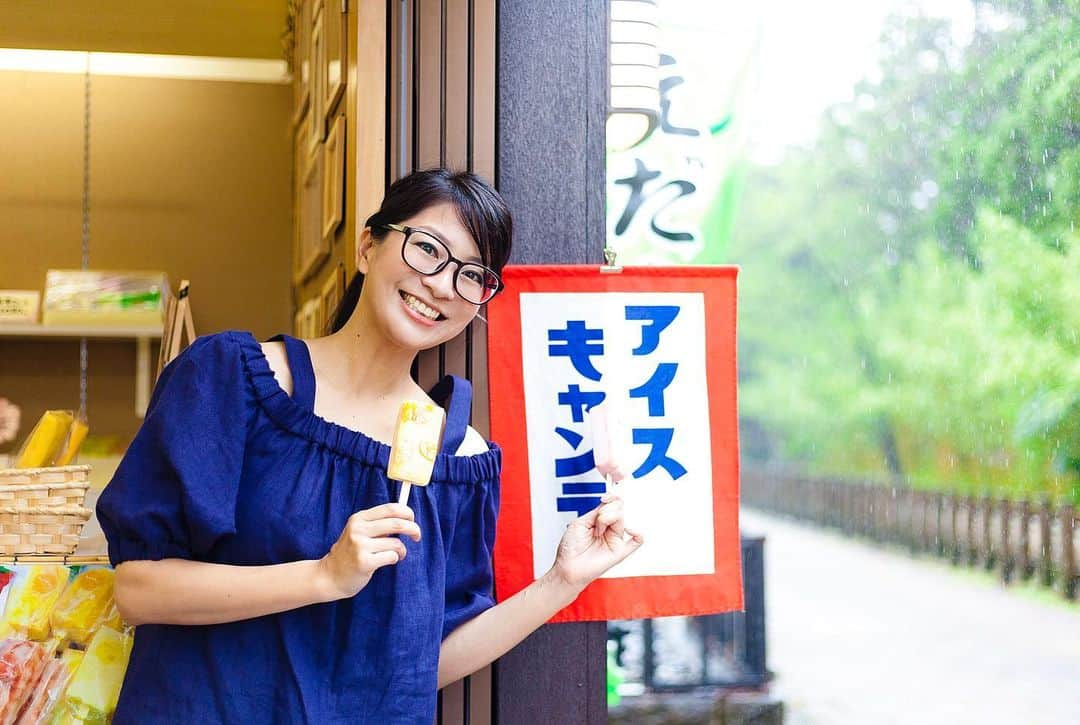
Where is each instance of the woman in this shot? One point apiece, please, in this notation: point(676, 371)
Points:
point(257, 541)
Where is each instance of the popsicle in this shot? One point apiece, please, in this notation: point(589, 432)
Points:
point(607, 435)
point(32, 599)
point(417, 439)
point(94, 690)
point(83, 606)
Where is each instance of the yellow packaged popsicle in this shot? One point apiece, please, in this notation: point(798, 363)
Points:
point(94, 690)
point(72, 658)
point(45, 440)
point(83, 606)
point(32, 599)
point(112, 619)
point(416, 444)
point(79, 429)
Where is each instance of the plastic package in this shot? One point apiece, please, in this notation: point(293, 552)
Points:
point(104, 298)
point(46, 694)
point(46, 440)
point(95, 689)
point(21, 665)
point(79, 429)
point(112, 619)
point(33, 595)
point(83, 606)
point(71, 659)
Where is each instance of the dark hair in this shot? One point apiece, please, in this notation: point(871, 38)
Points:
point(480, 209)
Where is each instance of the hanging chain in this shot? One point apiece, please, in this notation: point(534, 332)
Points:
point(85, 226)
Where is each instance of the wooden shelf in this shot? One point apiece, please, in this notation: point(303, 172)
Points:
point(14, 329)
point(141, 335)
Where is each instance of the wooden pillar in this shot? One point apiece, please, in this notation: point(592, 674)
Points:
point(989, 557)
point(1006, 558)
point(1024, 565)
point(551, 76)
point(1068, 552)
point(1046, 544)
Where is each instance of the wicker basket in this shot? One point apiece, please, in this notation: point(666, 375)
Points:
point(41, 509)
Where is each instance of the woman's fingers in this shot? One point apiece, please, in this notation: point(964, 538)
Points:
point(631, 542)
point(379, 559)
point(609, 516)
point(386, 543)
point(390, 526)
point(386, 511)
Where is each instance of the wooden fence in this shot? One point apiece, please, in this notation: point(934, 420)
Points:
point(1019, 540)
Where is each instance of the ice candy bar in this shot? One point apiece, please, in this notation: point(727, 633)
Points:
point(607, 439)
point(32, 599)
point(79, 430)
point(416, 444)
point(21, 665)
point(45, 440)
point(46, 693)
point(95, 688)
point(71, 659)
point(83, 606)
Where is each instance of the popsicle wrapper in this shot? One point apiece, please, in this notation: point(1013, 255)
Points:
point(416, 442)
point(83, 606)
point(95, 688)
point(21, 665)
point(32, 599)
point(46, 694)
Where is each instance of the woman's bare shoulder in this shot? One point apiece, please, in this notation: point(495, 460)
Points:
point(472, 444)
point(279, 364)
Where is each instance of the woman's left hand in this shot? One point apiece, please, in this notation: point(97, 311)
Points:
point(595, 542)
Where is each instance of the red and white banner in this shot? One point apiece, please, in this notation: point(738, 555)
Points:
point(656, 347)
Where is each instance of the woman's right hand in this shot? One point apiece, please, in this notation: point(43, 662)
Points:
point(368, 542)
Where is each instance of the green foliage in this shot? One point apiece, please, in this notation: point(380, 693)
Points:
point(910, 294)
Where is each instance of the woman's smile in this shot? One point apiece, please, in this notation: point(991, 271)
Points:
point(420, 310)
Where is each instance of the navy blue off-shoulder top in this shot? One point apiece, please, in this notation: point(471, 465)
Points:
point(228, 468)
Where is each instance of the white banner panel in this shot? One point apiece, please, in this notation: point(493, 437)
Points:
point(645, 354)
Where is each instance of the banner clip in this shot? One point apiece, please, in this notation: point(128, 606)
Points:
point(609, 266)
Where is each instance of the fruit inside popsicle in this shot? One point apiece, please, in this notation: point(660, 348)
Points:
point(607, 435)
point(417, 440)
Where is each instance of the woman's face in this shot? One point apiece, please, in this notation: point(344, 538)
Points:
point(413, 310)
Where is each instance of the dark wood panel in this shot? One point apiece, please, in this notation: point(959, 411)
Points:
point(482, 74)
point(427, 77)
point(550, 115)
point(455, 127)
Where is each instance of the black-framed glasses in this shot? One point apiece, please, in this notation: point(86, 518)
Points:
point(429, 255)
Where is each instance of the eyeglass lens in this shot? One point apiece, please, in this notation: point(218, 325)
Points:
point(428, 255)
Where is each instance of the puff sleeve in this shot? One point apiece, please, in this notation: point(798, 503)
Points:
point(469, 575)
point(174, 493)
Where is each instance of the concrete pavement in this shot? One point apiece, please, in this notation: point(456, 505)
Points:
point(859, 635)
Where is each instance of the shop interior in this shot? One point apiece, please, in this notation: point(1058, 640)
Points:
point(150, 145)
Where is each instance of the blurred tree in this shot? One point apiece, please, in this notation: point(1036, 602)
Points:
point(899, 307)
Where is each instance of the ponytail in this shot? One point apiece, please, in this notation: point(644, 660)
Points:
point(347, 305)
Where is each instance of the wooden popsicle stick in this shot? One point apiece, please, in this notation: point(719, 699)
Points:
point(403, 497)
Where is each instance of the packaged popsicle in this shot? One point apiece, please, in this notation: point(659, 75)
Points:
point(21, 665)
point(71, 659)
point(34, 594)
point(417, 438)
point(46, 440)
point(45, 696)
point(112, 619)
point(83, 606)
point(94, 690)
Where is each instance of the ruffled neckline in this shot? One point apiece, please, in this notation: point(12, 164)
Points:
point(292, 416)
